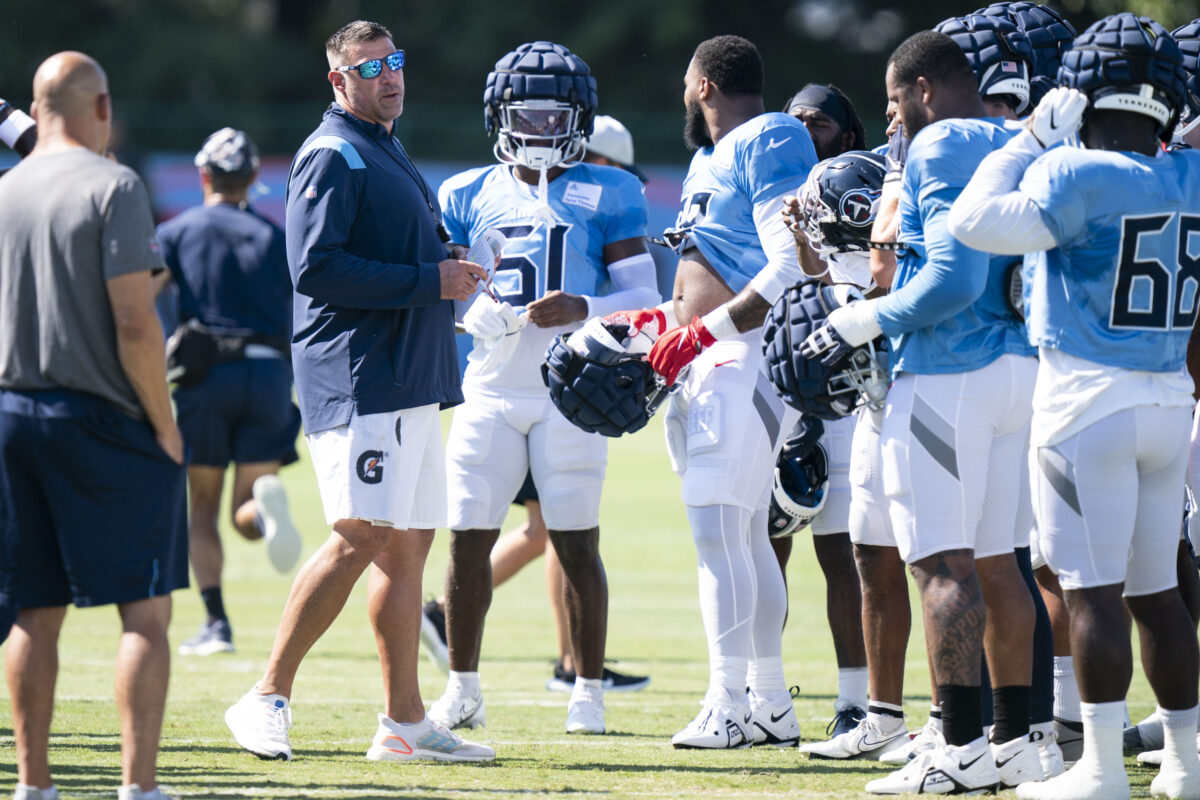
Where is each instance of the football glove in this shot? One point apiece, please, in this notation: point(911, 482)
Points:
point(846, 328)
point(649, 321)
point(489, 320)
point(1058, 116)
point(676, 348)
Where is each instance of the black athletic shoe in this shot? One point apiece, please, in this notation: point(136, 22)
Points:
point(611, 680)
point(845, 721)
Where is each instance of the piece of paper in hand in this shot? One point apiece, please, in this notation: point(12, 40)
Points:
point(485, 250)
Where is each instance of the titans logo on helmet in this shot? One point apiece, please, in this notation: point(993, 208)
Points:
point(858, 206)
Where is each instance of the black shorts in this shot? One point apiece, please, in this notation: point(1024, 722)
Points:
point(92, 511)
point(527, 491)
point(241, 412)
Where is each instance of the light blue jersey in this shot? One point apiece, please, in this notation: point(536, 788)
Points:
point(948, 310)
point(757, 161)
point(1121, 287)
point(593, 206)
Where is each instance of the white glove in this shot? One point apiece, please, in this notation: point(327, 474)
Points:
point(489, 320)
point(846, 327)
point(1058, 116)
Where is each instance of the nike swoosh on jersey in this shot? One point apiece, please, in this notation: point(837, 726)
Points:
point(771, 145)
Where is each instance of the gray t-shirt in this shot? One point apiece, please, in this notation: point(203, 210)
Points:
point(69, 222)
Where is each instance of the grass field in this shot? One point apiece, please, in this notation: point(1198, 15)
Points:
point(654, 627)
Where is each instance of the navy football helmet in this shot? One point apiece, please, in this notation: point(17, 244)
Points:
point(801, 479)
point(542, 100)
point(808, 385)
point(1128, 63)
point(598, 385)
point(839, 201)
point(1188, 39)
point(999, 53)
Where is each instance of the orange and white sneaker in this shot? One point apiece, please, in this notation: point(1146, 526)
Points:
point(423, 741)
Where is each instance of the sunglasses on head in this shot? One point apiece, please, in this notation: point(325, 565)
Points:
point(371, 69)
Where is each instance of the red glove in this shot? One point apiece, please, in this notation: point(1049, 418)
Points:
point(651, 319)
point(676, 348)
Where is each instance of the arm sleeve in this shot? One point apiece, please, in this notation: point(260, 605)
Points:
point(128, 241)
point(1059, 193)
point(783, 265)
point(322, 205)
point(953, 276)
point(636, 286)
point(991, 215)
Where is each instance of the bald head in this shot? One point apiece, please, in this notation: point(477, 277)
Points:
point(70, 101)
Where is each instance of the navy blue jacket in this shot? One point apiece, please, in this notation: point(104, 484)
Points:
point(371, 334)
point(234, 265)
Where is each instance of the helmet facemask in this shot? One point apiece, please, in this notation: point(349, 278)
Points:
point(539, 134)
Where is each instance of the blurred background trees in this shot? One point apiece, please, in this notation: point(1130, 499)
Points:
point(179, 69)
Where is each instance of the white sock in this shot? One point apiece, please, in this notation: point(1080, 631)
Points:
point(764, 676)
point(465, 684)
point(46, 794)
point(728, 592)
point(935, 718)
point(771, 605)
point(852, 688)
point(1179, 739)
point(1103, 746)
point(887, 723)
point(1066, 690)
point(588, 689)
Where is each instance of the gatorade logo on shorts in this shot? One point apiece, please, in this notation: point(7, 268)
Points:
point(370, 466)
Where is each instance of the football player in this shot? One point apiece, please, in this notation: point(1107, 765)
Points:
point(571, 229)
point(955, 427)
point(830, 118)
point(726, 422)
point(1112, 304)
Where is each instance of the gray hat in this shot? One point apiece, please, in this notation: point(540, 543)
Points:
point(229, 152)
point(613, 140)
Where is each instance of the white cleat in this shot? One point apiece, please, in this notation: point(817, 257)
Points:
point(1154, 758)
point(718, 726)
point(773, 720)
point(423, 741)
point(280, 533)
point(865, 741)
point(135, 792)
point(1146, 735)
point(585, 714)
point(1050, 754)
point(1084, 781)
point(944, 770)
point(453, 710)
point(1177, 783)
point(1069, 735)
point(260, 723)
point(924, 740)
point(1017, 761)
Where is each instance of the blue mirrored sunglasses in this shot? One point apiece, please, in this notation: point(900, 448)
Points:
point(371, 69)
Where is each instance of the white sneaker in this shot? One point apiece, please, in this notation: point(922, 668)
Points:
point(1017, 761)
point(423, 741)
point(918, 743)
point(1049, 753)
point(1146, 735)
point(773, 720)
point(454, 710)
point(585, 713)
point(134, 792)
point(1084, 781)
point(944, 770)
point(1154, 758)
point(718, 726)
point(34, 793)
point(260, 723)
point(865, 741)
point(283, 540)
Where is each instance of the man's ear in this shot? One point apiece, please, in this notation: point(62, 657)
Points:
point(925, 90)
point(103, 107)
point(705, 88)
point(337, 80)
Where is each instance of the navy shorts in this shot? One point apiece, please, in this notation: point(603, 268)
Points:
point(527, 491)
point(92, 511)
point(241, 412)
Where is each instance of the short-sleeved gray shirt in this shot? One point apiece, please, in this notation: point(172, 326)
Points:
point(69, 222)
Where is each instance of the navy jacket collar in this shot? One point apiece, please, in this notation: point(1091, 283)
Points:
point(372, 129)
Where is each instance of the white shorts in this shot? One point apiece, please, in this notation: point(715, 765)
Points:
point(952, 447)
point(838, 443)
point(725, 425)
point(387, 469)
point(494, 440)
point(869, 521)
point(1107, 500)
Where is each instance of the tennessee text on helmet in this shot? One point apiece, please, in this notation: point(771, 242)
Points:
point(541, 99)
point(808, 385)
point(999, 53)
point(801, 479)
point(598, 385)
point(1128, 63)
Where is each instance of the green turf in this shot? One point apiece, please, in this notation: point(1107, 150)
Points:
point(654, 628)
